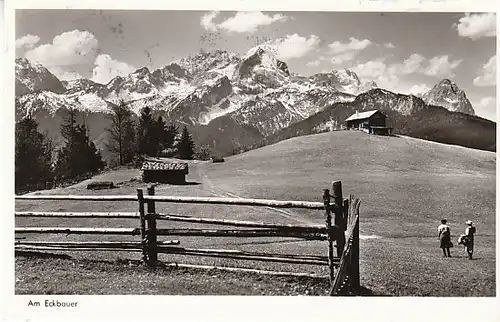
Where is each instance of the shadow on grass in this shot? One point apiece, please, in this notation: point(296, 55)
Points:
point(187, 183)
point(364, 291)
point(23, 253)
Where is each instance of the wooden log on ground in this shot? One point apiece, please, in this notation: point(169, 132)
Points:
point(240, 233)
point(246, 270)
point(77, 230)
point(240, 223)
point(99, 185)
point(46, 214)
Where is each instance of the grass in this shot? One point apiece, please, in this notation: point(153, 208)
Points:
point(405, 185)
point(44, 276)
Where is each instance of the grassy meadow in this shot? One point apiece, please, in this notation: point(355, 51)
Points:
point(405, 185)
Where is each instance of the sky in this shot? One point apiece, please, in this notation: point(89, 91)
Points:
point(405, 52)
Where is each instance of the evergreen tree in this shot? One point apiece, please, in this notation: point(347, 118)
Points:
point(171, 133)
point(121, 134)
point(79, 155)
point(186, 145)
point(33, 154)
point(147, 142)
point(160, 135)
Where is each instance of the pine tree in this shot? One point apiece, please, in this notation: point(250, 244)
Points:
point(186, 145)
point(160, 135)
point(146, 142)
point(171, 133)
point(79, 155)
point(121, 134)
point(33, 154)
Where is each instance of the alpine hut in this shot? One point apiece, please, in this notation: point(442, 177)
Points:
point(374, 122)
point(164, 172)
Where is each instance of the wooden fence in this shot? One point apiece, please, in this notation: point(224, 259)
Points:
point(343, 264)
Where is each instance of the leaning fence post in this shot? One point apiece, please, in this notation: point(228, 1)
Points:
point(355, 278)
point(151, 231)
point(339, 219)
point(328, 221)
point(140, 198)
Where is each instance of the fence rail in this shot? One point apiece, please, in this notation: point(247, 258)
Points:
point(341, 216)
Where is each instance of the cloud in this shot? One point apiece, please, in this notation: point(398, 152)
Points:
point(419, 89)
point(207, 21)
point(440, 66)
point(313, 63)
point(27, 42)
point(475, 26)
point(389, 75)
point(343, 58)
point(486, 108)
point(353, 45)
point(389, 45)
point(69, 48)
point(247, 21)
point(488, 74)
point(409, 66)
point(106, 68)
point(66, 75)
point(343, 52)
point(487, 101)
point(294, 46)
point(372, 69)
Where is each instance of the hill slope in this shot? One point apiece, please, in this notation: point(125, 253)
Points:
point(407, 115)
point(395, 177)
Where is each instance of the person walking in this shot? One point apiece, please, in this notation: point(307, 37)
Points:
point(444, 236)
point(470, 230)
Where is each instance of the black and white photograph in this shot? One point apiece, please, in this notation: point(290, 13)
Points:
point(254, 153)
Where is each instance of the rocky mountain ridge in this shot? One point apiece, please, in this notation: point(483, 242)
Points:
point(216, 92)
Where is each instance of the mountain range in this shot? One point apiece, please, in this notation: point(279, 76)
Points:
point(227, 101)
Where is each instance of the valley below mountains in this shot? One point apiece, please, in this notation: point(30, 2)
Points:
point(233, 103)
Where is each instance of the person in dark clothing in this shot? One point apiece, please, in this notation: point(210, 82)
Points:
point(469, 240)
point(444, 236)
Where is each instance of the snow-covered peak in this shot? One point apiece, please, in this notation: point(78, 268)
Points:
point(347, 76)
point(447, 94)
point(265, 56)
point(34, 77)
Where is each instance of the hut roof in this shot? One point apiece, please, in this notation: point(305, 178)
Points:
point(172, 166)
point(361, 116)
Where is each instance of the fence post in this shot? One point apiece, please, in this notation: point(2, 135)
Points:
point(339, 219)
point(151, 231)
point(347, 214)
point(354, 267)
point(140, 198)
point(328, 221)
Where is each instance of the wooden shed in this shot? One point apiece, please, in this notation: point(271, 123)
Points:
point(374, 122)
point(164, 172)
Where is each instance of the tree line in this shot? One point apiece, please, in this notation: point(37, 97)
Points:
point(129, 142)
point(38, 160)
